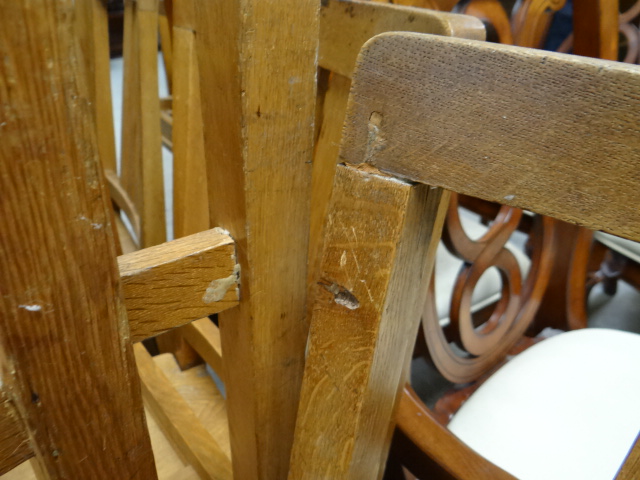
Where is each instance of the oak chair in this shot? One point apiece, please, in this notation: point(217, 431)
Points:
point(70, 394)
point(430, 115)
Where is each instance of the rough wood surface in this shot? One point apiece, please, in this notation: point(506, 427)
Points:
point(64, 338)
point(141, 172)
point(344, 28)
point(368, 300)
point(15, 446)
point(258, 114)
point(345, 25)
point(630, 470)
point(179, 422)
point(164, 287)
point(543, 145)
point(177, 282)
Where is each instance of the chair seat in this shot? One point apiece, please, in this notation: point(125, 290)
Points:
point(488, 288)
point(559, 410)
point(628, 248)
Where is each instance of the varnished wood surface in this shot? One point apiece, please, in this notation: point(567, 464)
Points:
point(258, 113)
point(177, 282)
point(368, 300)
point(455, 457)
point(67, 363)
point(575, 119)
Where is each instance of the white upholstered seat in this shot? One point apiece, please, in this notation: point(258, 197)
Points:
point(567, 408)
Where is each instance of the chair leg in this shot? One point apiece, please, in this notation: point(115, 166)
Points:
point(258, 114)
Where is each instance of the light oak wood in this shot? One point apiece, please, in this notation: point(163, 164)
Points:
point(202, 395)
point(631, 467)
point(345, 25)
point(179, 422)
point(93, 31)
point(433, 439)
point(141, 167)
point(376, 268)
point(164, 287)
point(64, 323)
point(190, 202)
point(258, 114)
point(204, 336)
point(175, 283)
point(510, 151)
point(165, 29)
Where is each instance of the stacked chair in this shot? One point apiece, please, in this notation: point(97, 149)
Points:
point(87, 276)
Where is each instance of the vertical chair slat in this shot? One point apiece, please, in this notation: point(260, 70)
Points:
point(66, 360)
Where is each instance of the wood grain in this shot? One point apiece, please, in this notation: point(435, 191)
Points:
point(631, 467)
point(172, 284)
point(258, 114)
point(345, 25)
point(67, 364)
point(92, 21)
point(163, 288)
point(202, 395)
point(141, 173)
point(565, 115)
point(179, 422)
point(15, 446)
point(190, 206)
point(374, 280)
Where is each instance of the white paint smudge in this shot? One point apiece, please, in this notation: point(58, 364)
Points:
point(31, 308)
point(217, 289)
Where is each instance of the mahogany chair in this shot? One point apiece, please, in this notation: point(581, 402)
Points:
point(525, 128)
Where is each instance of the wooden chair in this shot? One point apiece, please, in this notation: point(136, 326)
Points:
point(70, 392)
point(430, 115)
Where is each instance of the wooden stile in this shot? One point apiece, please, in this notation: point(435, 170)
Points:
point(373, 271)
point(258, 115)
point(52, 189)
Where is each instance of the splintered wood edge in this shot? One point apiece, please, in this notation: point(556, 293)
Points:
point(154, 263)
point(345, 25)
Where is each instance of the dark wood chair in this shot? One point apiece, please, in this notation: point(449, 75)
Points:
point(520, 127)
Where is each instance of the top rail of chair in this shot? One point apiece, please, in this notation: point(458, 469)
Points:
point(556, 134)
